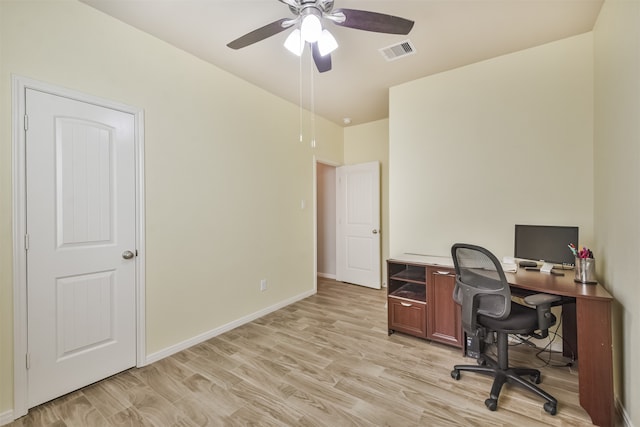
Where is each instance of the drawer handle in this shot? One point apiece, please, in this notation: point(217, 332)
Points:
point(406, 304)
point(444, 273)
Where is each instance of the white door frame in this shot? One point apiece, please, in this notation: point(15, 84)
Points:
point(19, 85)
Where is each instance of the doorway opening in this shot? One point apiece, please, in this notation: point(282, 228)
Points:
point(326, 220)
point(347, 223)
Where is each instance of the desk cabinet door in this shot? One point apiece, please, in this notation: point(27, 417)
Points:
point(444, 324)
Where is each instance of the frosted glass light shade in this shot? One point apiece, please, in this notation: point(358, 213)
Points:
point(311, 28)
point(327, 43)
point(294, 43)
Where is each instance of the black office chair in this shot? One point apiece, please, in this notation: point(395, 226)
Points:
point(483, 292)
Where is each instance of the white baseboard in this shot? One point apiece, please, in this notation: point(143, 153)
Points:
point(6, 417)
point(626, 419)
point(154, 357)
point(327, 276)
point(556, 346)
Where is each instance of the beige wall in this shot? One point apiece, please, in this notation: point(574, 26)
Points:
point(225, 173)
point(617, 185)
point(366, 143)
point(475, 150)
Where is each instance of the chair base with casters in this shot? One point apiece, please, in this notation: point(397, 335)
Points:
point(500, 370)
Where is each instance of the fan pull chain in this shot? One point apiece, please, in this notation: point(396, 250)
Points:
point(312, 100)
point(300, 95)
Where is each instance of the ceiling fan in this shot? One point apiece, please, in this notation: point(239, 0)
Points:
point(309, 22)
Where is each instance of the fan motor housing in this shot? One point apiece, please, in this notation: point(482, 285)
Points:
point(323, 6)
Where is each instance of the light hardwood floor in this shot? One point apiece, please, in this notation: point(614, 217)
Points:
point(323, 361)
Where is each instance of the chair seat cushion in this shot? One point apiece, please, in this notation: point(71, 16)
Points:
point(521, 320)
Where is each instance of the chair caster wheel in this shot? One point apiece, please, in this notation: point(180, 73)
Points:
point(535, 378)
point(551, 408)
point(492, 404)
point(482, 361)
point(455, 374)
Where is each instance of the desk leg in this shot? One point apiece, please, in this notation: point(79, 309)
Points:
point(595, 366)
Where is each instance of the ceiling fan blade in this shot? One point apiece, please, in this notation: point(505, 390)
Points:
point(260, 34)
point(372, 21)
point(323, 63)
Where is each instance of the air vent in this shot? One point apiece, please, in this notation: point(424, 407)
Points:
point(398, 50)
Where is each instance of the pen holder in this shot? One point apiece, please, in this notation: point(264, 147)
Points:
point(585, 270)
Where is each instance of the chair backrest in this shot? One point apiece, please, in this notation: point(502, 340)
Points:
point(481, 286)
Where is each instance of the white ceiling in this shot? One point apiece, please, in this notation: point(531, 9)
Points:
point(447, 34)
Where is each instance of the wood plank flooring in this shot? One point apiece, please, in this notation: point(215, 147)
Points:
point(323, 361)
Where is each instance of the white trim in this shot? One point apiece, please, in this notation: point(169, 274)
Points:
point(176, 348)
point(314, 172)
point(141, 258)
point(19, 258)
point(6, 417)
point(626, 419)
point(19, 85)
point(327, 276)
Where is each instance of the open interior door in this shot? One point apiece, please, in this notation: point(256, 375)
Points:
point(358, 224)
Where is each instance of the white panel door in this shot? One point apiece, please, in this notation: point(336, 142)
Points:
point(80, 223)
point(358, 224)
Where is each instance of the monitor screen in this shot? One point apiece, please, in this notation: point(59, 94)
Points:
point(548, 243)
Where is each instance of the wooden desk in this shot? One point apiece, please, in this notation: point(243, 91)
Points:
point(587, 327)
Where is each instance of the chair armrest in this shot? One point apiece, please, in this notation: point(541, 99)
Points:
point(542, 303)
point(541, 299)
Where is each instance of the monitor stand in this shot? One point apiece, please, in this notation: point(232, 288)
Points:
point(546, 267)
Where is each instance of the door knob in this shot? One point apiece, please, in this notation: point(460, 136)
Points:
point(127, 254)
point(374, 231)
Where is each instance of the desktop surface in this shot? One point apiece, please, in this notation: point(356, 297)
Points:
point(557, 285)
point(524, 279)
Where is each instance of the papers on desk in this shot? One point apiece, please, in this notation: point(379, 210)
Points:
point(509, 267)
point(509, 264)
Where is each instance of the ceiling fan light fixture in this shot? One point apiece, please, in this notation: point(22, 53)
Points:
point(307, 23)
point(327, 43)
point(311, 28)
point(294, 42)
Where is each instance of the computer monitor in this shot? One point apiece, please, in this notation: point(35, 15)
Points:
point(546, 243)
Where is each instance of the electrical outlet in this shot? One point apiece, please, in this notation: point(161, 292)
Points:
point(263, 285)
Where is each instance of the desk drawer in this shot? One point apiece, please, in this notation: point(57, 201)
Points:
point(408, 316)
